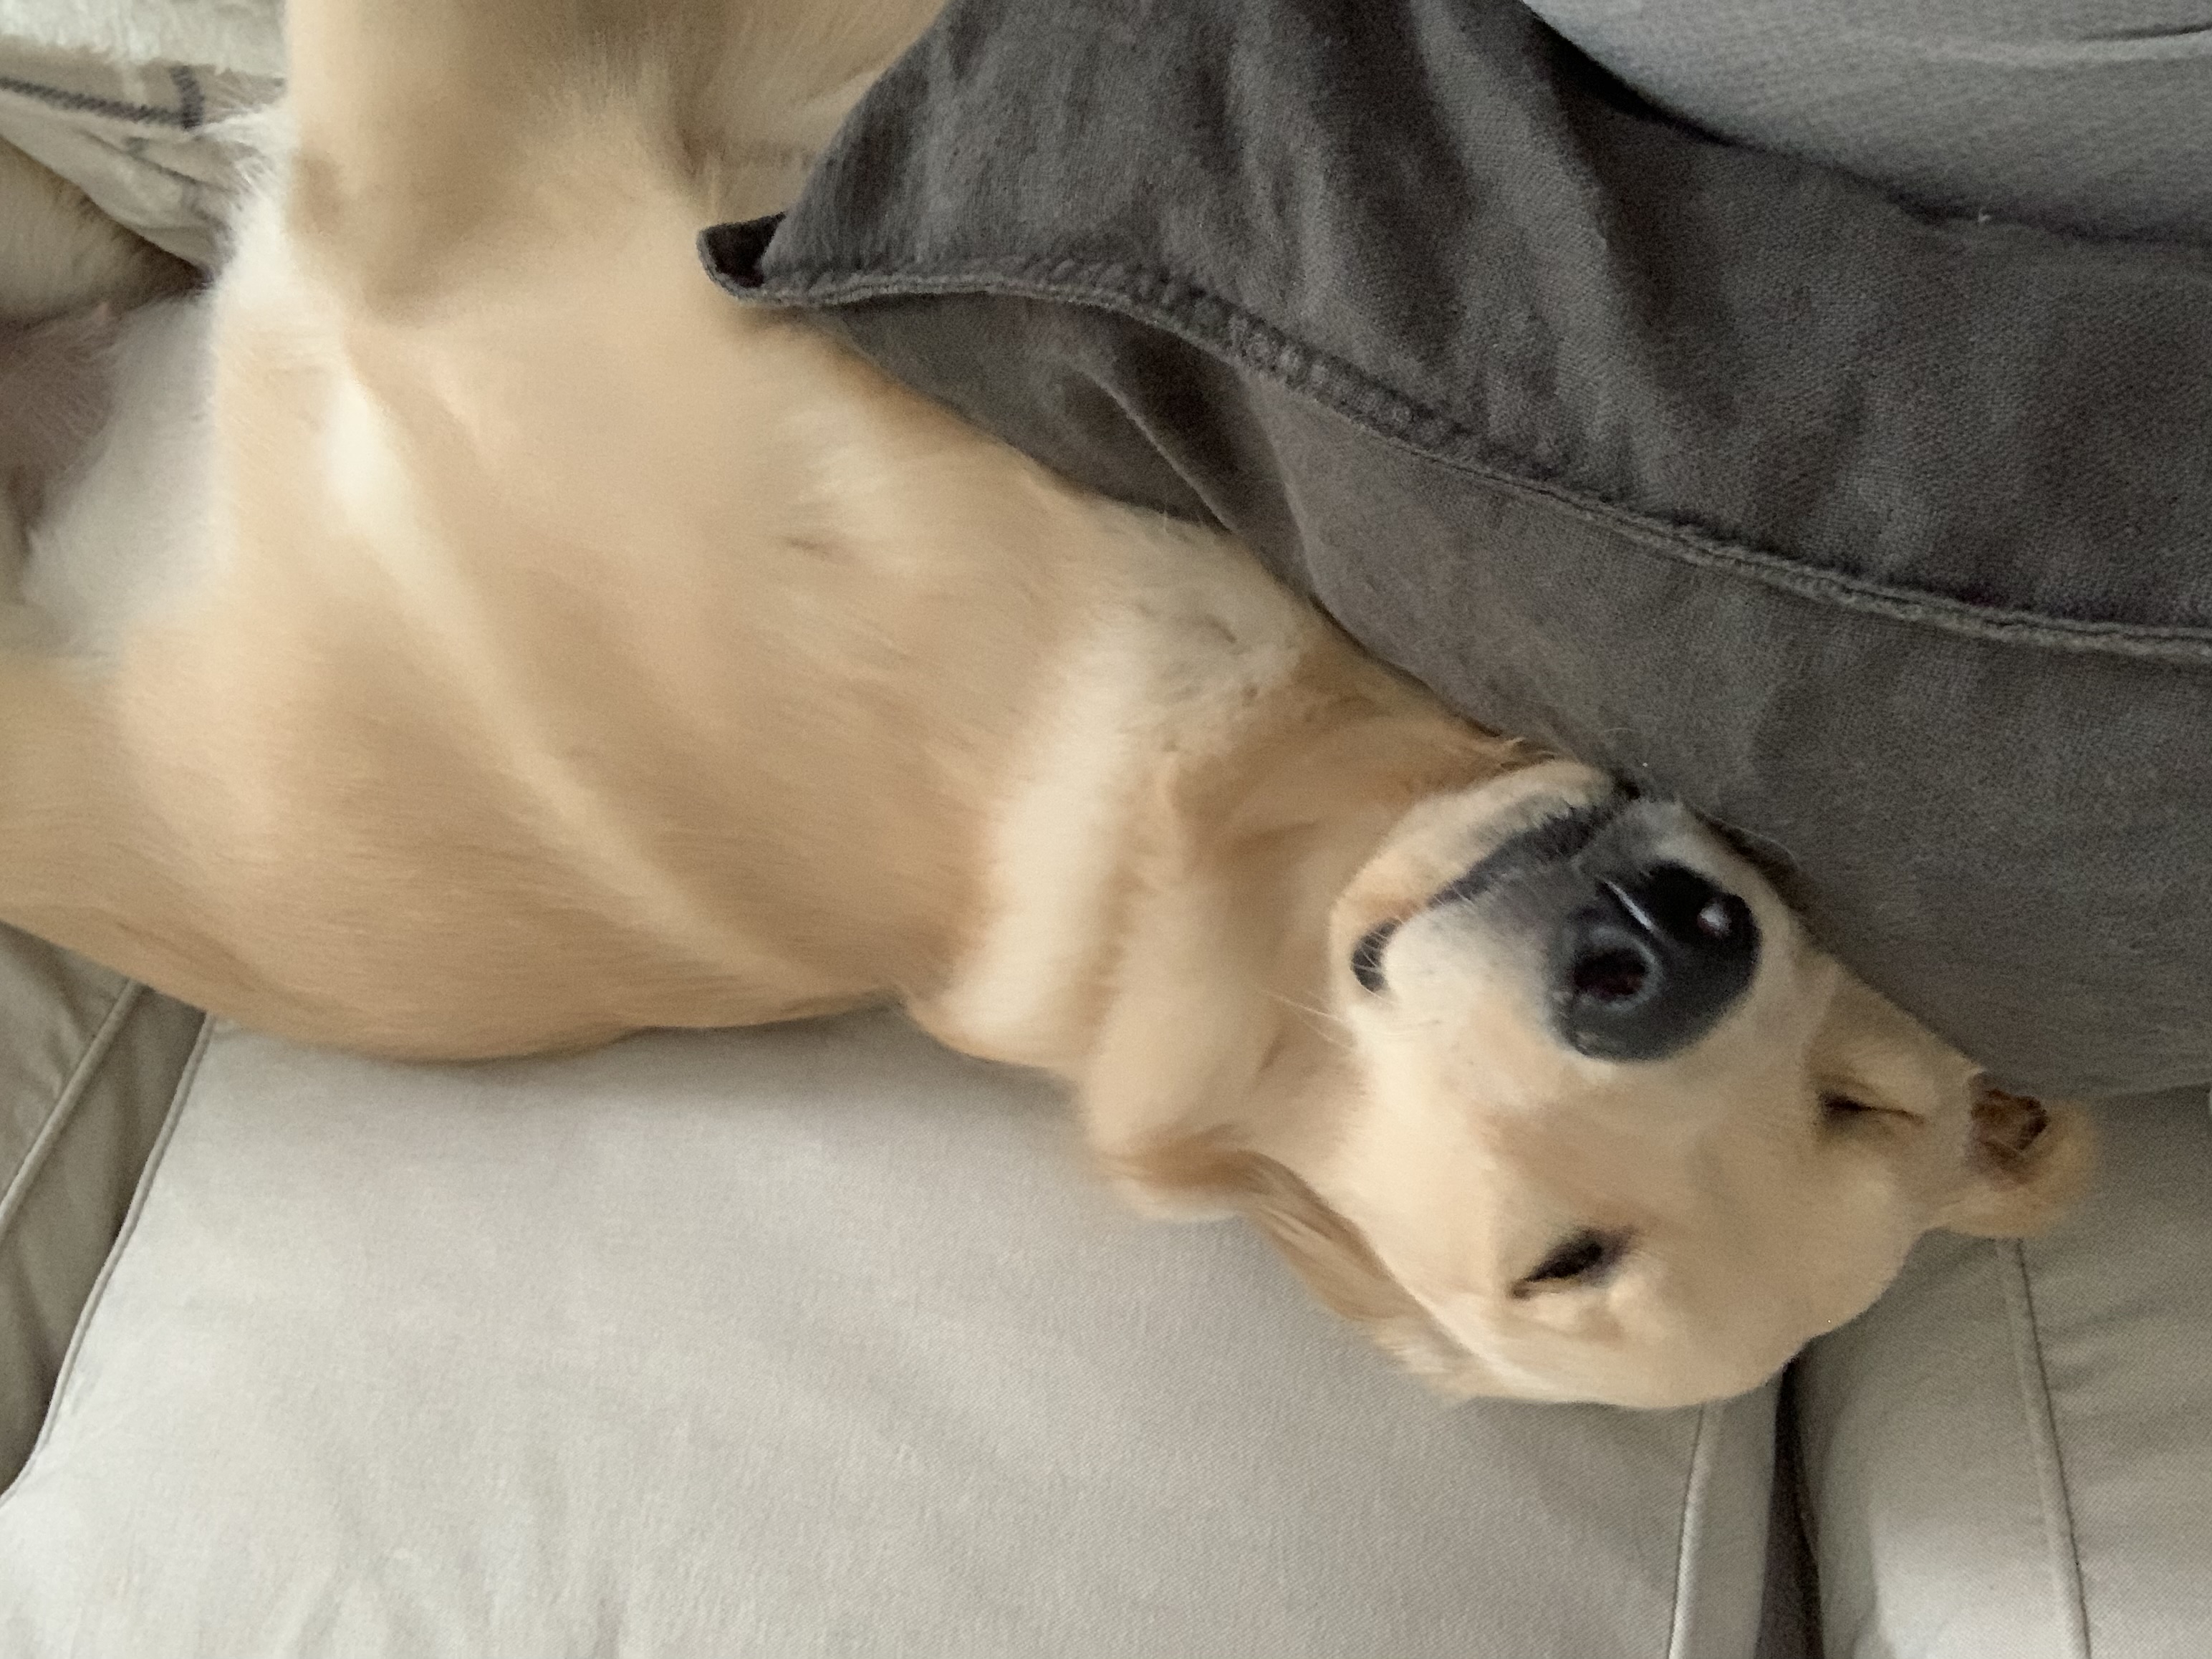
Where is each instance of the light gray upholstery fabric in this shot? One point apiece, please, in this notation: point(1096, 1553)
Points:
point(2093, 115)
point(807, 1341)
point(87, 1064)
point(2010, 1457)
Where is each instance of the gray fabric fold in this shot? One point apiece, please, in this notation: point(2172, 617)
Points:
point(1878, 536)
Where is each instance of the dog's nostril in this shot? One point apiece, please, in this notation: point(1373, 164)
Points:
point(1367, 956)
point(1650, 963)
point(1674, 902)
point(1611, 976)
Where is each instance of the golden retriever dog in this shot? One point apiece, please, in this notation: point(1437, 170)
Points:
point(516, 642)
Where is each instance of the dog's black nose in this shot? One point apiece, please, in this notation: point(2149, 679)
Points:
point(1650, 963)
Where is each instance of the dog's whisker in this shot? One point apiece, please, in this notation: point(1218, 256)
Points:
point(1326, 1023)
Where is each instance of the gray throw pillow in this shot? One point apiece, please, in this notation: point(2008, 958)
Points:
point(1879, 536)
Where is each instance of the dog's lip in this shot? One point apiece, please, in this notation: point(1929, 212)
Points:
point(1549, 840)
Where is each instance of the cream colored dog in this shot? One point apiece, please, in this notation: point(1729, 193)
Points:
point(540, 646)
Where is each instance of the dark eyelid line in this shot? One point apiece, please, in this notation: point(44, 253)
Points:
point(1851, 1105)
point(1586, 1257)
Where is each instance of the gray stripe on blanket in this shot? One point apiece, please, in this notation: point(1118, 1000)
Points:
point(187, 118)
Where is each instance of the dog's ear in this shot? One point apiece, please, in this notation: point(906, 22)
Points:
point(2029, 1161)
point(1209, 1171)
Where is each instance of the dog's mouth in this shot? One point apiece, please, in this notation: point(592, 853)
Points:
point(1552, 840)
point(1548, 841)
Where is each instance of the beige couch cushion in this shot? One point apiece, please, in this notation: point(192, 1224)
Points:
point(87, 1064)
point(2010, 1457)
point(807, 1341)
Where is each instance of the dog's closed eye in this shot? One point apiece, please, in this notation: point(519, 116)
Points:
point(1840, 1111)
point(1588, 1257)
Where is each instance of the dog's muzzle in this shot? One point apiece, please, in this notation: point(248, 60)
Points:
point(1643, 955)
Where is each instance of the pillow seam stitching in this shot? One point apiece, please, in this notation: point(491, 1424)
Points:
point(1348, 393)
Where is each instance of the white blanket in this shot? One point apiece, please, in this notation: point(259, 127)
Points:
point(135, 101)
point(242, 36)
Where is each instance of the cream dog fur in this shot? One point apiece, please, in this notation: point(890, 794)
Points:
point(539, 645)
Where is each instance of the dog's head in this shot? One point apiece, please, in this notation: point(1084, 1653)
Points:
point(1602, 1122)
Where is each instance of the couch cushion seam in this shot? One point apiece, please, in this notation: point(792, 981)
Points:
point(94, 1301)
point(1679, 1618)
point(2040, 1413)
point(65, 1102)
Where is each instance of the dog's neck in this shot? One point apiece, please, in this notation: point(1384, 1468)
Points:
point(1212, 991)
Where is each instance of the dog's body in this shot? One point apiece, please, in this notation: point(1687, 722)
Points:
point(558, 649)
